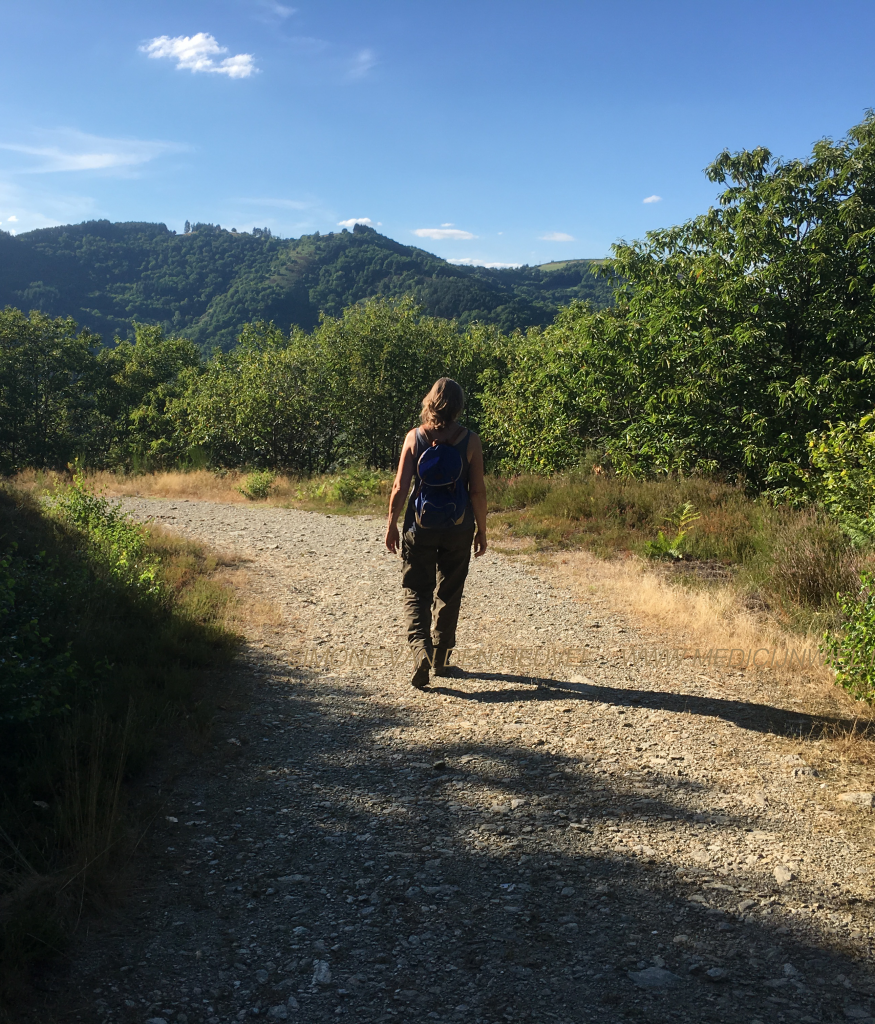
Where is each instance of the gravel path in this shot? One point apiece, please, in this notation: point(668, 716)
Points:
point(612, 843)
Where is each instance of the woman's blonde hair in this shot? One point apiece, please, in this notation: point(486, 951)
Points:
point(443, 405)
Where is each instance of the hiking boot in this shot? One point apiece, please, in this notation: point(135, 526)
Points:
point(442, 666)
point(420, 676)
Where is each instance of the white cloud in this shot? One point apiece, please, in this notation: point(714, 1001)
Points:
point(449, 224)
point(439, 234)
point(351, 223)
point(239, 66)
point(652, 199)
point(12, 220)
point(68, 150)
point(468, 262)
point(557, 236)
point(362, 64)
point(196, 53)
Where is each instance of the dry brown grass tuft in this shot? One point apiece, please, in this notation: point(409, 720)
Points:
point(247, 613)
point(852, 744)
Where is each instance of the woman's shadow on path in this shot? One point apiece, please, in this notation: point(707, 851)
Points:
point(745, 714)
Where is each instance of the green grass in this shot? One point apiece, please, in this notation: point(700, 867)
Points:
point(133, 660)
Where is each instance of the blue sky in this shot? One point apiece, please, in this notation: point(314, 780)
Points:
point(489, 131)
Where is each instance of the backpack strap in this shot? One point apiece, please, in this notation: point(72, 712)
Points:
point(422, 438)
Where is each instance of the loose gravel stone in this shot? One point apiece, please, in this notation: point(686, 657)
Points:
point(525, 841)
point(858, 799)
point(654, 977)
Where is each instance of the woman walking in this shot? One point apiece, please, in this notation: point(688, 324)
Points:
point(445, 513)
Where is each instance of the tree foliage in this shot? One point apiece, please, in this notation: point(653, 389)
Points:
point(841, 474)
point(46, 387)
point(734, 335)
point(347, 392)
point(732, 339)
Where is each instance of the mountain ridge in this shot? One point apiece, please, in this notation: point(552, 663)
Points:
point(206, 283)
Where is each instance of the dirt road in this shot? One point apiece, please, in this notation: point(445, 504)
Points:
point(615, 844)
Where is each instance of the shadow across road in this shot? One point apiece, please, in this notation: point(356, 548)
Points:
point(764, 718)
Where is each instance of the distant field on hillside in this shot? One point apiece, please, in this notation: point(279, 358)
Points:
point(562, 264)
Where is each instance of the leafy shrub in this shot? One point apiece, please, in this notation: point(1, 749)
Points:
point(842, 475)
point(258, 485)
point(33, 673)
point(103, 628)
point(40, 676)
point(114, 537)
point(851, 653)
point(353, 484)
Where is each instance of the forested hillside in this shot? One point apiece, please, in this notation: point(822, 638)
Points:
point(207, 283)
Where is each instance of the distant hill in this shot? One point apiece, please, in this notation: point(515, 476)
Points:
point(206, 283)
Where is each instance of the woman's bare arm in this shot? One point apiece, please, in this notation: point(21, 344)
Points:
point(477, 493)
point(400, 490)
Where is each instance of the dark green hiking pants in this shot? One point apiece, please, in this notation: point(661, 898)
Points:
point(435, 569)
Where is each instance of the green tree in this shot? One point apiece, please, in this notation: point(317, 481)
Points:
point(733, 336)
point(265, 404)
point(138, 385)
point(45, 376)
point(381, 358)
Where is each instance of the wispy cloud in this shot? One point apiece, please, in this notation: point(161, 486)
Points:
point(68, 150)
point(468, 262)
point(557, 236)
point(351, 223)
point(273, 12)
point(197, 53)
point(439, 234)
point(362, 63)
point(308, 45)
point(652, 199)
point(283, 204)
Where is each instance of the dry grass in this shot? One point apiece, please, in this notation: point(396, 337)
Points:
point(712, 618)
point(247, 612)
point(199, 485)
point(350, 491)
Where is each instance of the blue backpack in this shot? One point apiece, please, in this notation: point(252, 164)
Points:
point(443, 494)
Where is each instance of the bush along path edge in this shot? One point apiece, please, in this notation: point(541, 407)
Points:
point(109, 631)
